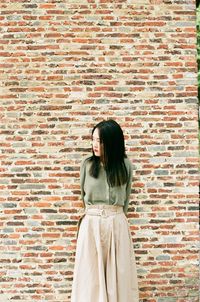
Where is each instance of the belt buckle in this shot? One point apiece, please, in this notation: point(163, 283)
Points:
point(103, 213)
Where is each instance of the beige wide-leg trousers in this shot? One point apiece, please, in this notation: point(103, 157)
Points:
point(105, 269)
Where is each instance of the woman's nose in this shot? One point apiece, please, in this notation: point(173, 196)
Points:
point(95, 144)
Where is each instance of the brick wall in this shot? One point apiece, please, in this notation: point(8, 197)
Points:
point(66, 65)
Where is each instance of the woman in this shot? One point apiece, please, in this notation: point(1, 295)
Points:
point(105, 269)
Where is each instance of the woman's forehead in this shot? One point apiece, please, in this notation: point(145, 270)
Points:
point(96, 133)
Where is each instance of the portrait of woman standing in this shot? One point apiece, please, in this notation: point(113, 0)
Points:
point(105, 268)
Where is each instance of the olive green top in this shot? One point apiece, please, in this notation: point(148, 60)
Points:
point(98, 191)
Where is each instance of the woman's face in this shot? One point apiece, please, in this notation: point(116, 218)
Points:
point(96, 143)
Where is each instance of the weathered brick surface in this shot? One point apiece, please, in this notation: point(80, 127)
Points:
point(64, 66)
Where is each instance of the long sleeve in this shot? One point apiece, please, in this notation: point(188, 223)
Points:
point(128, 187)
point(82, 178)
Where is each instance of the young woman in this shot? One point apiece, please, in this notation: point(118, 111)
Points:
point(105, 269)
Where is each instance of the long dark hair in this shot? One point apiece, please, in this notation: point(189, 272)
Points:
point(112, 153)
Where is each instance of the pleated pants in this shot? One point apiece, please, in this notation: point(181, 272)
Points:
point(105, 268)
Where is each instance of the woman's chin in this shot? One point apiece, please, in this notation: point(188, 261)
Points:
point(96, 154)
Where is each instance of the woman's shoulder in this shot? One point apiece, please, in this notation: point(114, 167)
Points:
point(85, 160)
point(128, 162)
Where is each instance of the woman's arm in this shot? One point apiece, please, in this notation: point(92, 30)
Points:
point(82, 177)
point(128, 186)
